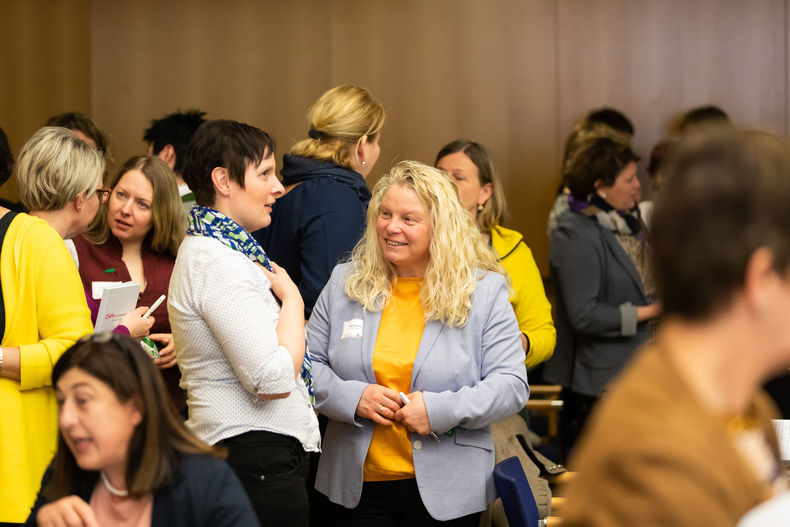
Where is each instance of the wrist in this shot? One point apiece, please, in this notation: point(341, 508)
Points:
point(1, 362)
point(293, 298)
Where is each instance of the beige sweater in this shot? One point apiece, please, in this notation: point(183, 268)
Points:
point(653, 456)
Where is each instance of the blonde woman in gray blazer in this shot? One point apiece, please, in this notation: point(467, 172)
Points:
point(467, 371)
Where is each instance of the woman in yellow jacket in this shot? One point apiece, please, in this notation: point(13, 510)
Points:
point(471, 168)
point(43, 303)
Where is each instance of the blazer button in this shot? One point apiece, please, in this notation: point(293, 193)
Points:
point(417, 445)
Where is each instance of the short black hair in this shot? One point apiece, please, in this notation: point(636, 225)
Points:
point(175, 129)
point(612, 118)
point(6, 159)
point(725, 196)
point(703, 116)
point(222, 143)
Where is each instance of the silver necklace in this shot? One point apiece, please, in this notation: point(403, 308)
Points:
point(113, 490)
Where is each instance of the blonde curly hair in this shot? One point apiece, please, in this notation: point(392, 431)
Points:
point(459, 252)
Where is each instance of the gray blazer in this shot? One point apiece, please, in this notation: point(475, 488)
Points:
point(469, 376)
point(597, 291)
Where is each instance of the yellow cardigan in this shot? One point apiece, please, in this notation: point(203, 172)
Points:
point(529, 301)
point(45, 313)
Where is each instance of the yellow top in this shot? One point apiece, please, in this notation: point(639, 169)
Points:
point(45, 313)
point(400, 331)
point(529, 301)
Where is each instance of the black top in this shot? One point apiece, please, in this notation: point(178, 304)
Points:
point(205, 492)
point(5, 221)
point(316, 224)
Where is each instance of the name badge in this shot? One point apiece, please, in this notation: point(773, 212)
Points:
point(352, 329)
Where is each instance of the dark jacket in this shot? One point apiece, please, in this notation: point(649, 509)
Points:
point(597, 291)
point(205, 492)
point(316, 223)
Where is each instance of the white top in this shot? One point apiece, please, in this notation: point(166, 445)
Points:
point(773, 512)
point(646, 211)
point(224, 317)
point(72, 249)
point(183, 190)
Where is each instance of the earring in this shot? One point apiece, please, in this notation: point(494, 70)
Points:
point(363, 163)
point(479, 207)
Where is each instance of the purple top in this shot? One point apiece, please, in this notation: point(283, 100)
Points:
point(93, 304)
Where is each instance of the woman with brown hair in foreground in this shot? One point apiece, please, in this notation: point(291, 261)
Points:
point(124, 455)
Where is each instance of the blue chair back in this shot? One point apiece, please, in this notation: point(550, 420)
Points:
point(517, 499)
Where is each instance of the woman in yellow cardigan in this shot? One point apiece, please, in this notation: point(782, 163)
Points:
point(471, 168)
point(43, 304)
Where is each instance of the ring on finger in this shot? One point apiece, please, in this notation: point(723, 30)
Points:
point(382, 408)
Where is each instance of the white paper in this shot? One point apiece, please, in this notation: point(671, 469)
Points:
point(782, 427)
point(116, 301)
point(97, 288)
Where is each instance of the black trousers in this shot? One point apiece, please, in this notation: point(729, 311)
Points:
point(273, 470)
point(573, 418)
point(322, 511)
point(396, 504)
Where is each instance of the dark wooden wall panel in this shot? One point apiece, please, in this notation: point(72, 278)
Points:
point(253, 61)
point(44, 66)
point(654, 60)
point(512, 74)
point(450, 69)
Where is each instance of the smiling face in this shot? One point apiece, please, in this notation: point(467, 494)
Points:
point(466, 177)
point(95, 425)
point(623, 194)
point(129, 213)
point(403, 230)
point(251, 205)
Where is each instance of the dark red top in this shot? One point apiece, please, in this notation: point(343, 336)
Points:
point(104, 263)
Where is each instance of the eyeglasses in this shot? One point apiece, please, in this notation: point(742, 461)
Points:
point(104, 194)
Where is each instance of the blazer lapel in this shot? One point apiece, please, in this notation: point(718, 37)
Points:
point(623, 258)
point(370, 329)
point(429, 336)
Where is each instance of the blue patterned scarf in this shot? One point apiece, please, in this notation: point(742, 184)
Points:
point(204, 221)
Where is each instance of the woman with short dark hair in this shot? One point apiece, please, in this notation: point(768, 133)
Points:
point(598, 259)
point(242, 354)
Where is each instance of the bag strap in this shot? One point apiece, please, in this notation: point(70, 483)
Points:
point(5, 221)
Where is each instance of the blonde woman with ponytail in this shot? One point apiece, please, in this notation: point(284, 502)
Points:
point(416, 351)
point(321, 216)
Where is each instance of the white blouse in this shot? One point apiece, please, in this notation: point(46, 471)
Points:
point(224, 318)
